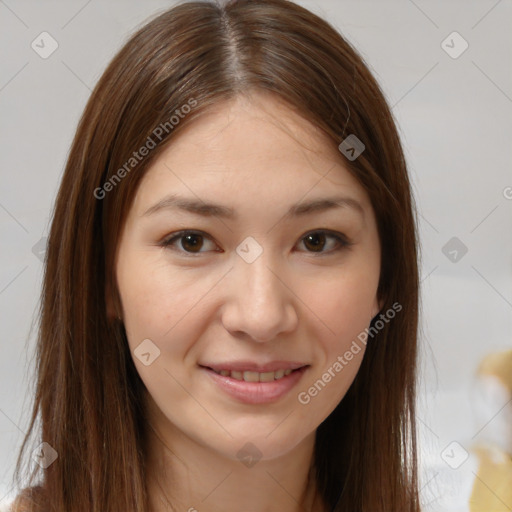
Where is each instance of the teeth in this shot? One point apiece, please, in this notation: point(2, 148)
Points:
point(266, 377)
point(255, 376)
point(251, 376)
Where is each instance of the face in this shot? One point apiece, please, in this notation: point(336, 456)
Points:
point(248, 265)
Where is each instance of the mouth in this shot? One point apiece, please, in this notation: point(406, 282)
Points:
point(251, 376)
point(256, 387)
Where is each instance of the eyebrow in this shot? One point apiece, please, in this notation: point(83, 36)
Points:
point(205, 209)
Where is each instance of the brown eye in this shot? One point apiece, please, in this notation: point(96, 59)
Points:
point(190, 242)
point(316, 241)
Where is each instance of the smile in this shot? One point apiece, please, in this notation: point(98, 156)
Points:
point(253, 387)
point(249, 376)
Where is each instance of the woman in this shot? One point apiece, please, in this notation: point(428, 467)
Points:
point(230, 300)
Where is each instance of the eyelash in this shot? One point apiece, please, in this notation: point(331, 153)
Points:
point(343, 242)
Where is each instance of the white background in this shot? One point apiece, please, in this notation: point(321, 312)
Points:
point(455, 119)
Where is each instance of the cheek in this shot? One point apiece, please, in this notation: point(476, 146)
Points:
point(344, 306)
point(149, 300)
point(159, 302)
point(344, 303)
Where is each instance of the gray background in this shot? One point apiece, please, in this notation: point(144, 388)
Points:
point(455, 120)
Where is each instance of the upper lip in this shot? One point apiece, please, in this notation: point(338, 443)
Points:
point(251, 366)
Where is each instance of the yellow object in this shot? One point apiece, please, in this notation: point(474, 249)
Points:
point(499, 365)
point(492, 489)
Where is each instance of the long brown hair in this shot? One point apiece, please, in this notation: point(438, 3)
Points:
point(89, 397)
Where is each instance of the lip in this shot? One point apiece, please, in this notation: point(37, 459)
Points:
point(251, 366)
point(257, 392)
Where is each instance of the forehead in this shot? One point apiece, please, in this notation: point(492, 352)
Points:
point(248, 150)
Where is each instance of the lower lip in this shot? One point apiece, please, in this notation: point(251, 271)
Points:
point(257, 392)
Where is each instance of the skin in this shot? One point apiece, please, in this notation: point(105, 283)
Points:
point(301, 301)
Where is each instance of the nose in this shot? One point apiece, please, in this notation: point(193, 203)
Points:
point(260, 304)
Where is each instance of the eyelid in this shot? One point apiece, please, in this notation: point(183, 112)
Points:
point(341, 238)
point(167, 241)
point(342, 241)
